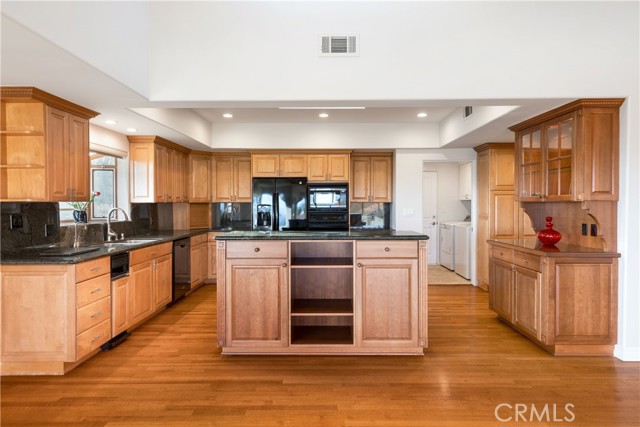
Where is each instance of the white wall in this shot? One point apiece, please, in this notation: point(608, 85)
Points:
point(450, 207)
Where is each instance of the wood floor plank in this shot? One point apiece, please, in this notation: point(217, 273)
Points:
point(169, 373)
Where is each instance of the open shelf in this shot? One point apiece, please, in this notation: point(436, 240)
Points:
point(322, 335)
point(322, 262)
point(321, 307)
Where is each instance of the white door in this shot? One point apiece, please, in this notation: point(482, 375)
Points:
point(430, 214)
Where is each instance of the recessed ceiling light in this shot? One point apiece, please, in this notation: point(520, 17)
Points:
point(422, 115)
point(110, 122)
point(227, 116)
point(323, 115)
point(132, 130)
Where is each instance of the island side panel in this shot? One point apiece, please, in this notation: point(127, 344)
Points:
point(220, 292)
point(423, 334)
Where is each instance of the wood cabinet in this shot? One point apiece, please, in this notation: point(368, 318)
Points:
point(322, 297)
point(387, 284)
point(279, 165)
point(465, 181)
point(256, 289)
point(119, 305)
point(199, 178)
point(371, 178)
point(328, 167)
point(212, 256)
point(565, 301)
point(499, 214)
point(231, 179)
point(199, 262)
point(53, 316)
point(44, 147)
point(150, 280)
point(157, 170)
point(569, 153)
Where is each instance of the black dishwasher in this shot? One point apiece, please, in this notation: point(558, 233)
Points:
point(181, 268)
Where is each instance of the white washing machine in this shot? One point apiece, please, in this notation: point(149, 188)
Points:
point(447, 245)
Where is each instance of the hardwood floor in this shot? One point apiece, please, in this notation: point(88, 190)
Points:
point(169, 373)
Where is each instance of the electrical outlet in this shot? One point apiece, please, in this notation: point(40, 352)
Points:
point(584, 230)
point(49, 230)
point(594, 230)
point(15, 221)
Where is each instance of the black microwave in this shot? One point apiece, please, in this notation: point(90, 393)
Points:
point(328, 197)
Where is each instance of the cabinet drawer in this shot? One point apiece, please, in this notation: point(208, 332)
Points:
point(257, 249)
point(387, 249)
point(93, 338)
point(526, 260)
point(199, 239)
point(93, 290)
point(92, 314)
point(502, 254)
point(93, 268)
point(145, 254)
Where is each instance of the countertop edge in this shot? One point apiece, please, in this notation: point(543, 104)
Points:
point(590, 252)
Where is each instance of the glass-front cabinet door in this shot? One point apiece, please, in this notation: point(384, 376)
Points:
point(530, 165)
point(559, 137)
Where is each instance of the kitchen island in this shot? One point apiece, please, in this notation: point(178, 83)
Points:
point(351, 292)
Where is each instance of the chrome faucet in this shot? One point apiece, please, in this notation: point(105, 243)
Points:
point(112, 235)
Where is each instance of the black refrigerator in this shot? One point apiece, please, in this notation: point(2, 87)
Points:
point(287, 198)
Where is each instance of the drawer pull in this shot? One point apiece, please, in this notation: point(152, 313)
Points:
point(500, 253)
point(154, 252)
point(256, 249)
point(387, 249)
point(359, 265)
point(96, 290)
point(96, 269)
point(98, 314)
point(97, 338)
point(525, 260)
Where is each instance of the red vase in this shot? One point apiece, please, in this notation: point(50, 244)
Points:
point(549, 236)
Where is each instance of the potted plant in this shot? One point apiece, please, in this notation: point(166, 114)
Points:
point(80, 208)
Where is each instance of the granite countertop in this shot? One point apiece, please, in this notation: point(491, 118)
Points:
point(324, 235)
point(33, 255)
point(558, 250)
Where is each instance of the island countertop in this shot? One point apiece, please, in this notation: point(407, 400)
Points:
point(324, 235)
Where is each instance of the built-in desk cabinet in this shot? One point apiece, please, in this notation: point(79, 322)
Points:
point(565, 303)
point(44, 147)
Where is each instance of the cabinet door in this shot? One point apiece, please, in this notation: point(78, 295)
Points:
point(141, 304)
point(242, 179)
point(58, 159)
point(162, 281)
point(360, 179)
point(293, 165)
point(199, 179)
point(196, 266)
point(530, 167)
point(501, 289)
point(204, 264)
point(141, 173)
point(388, 290)
point(265, 165)
point(160, 174)
point(79, 158)
point(381, 178)
point(527, 301)
point(223, 179)
point(502, 169)
point(119, 305)
point(318, 168)
point(559, 136)
point(483, 252)
point(257, 302)
point(504, 215)
point(338, 167)
point(212, 260)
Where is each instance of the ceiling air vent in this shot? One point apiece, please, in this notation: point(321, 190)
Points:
point(468, 110)
point(339, 45)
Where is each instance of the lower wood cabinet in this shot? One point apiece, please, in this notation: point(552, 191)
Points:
point(565, 301)
point(119, 305)
point(199, 260)
point(149, 284)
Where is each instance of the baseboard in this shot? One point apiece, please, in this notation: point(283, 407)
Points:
point(627, 354)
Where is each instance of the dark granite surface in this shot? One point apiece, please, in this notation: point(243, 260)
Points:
point(32, 254)
point(324, 235)
point(559, 249)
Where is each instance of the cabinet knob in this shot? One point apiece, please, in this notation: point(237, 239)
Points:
point(525, 260)
point(500, 253)
point(359, 265)
point(256, 249)
point(387, 249)
point(284, 264)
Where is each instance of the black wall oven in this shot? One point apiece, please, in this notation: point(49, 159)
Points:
point(328, 206)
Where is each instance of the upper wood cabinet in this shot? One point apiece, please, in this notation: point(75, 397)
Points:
point(328, 167)
point(279, 165)
point(199, 178)
point(231, 179)
point(157, 170)
point(371, 178)
point(569, 153)
point(44, 147)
